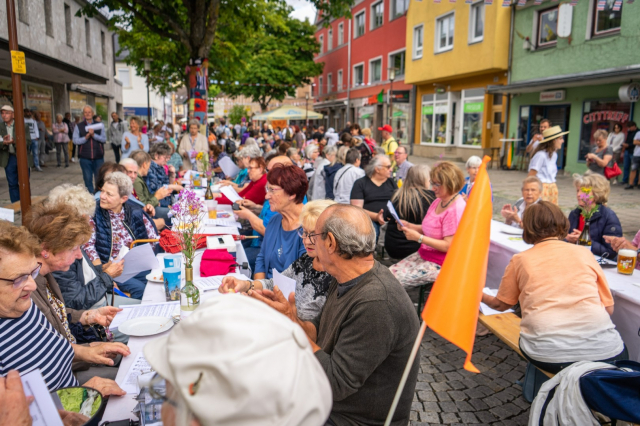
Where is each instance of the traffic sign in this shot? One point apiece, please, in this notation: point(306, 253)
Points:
point(18, 62)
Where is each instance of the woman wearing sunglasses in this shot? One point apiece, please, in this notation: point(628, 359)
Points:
point(29, 340)
point(311, 285)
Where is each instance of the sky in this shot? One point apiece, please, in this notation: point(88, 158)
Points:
point(303, 9)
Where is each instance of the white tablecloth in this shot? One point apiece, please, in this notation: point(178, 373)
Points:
point(120, 408)
point(625, 288)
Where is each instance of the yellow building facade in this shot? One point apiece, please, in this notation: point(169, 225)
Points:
point(454, 51)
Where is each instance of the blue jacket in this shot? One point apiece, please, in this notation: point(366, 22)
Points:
point(133, 221)
point(157, 178)
point(603, 222)
point(78, 293)
point(329, 177)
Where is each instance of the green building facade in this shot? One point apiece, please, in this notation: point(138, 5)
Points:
point(576, 66)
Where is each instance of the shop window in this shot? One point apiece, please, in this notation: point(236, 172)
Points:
point(608, 20)
point(321, 42)
point(340, 34)
point(102, 108)
point(601, 115)
point(418, 33)
point(358, 75)
point(444, 33)
point(548, 27)
point(472, 111)
point(399, 121)
point(396, 60)
point(329, 83)
point(124, 76)
point(48, 19)
point(330, 40)
point(365, 116)
point(40, 98)
point(497, 117)
point(359, 24)
point(476, 23)
point(398, 8)
point(375, 71)
point(67, 24)
point(377, 15)
point(434, 119)
point(497, 99)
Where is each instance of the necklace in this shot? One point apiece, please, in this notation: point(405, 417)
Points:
point(546, 239)
point(445, 205)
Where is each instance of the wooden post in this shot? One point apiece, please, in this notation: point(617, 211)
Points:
point(19, 137)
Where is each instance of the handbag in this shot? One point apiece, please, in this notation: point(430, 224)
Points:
point(611, 172)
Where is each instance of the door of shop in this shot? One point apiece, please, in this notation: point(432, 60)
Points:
point(558, 115)
point(497, 131)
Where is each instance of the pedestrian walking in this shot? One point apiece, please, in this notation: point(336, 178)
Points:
point(72, 146)
point(61, 139)
point(42, 138)
point(115, 133)
point(31, 133)
point(628, 148)
point(8, 159)
point(90, 141)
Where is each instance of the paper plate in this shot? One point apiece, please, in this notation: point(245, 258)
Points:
point(145, 326)
point(155, 276)
point(511, 230)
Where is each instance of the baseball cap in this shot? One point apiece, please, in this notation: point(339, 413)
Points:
point(386, 128)
point(6, 108)
point(253, 365)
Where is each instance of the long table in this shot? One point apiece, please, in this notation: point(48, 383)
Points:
point(120, 408)
point(625, 288)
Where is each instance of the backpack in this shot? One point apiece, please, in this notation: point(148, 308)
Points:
point(230, 147)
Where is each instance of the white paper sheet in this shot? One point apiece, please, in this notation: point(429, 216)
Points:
point(393, 213)
point(230, 193)
point(487, 310)
point(285, 284)
point(212, 283)
point(95, 126)
point(123, 252)
point(7, 214)
point(43, 410)
point(140, 258)
point(167, 310)
point(139, 367)
point(221, 230)
point(228, 167)
point(222, 222)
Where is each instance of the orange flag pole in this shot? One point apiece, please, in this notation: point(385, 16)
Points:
point(452, 307)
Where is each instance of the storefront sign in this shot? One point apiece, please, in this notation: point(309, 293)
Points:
point(595, 117)
point(552, 96)
point(474, 107)
point(401, 96)
point(565, 16)
point(629, 92)
point(427, 110)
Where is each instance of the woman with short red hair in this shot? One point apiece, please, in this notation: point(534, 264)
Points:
point(255, 191)
point(286, 188)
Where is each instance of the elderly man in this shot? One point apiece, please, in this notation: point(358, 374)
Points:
point(365, 332)
point(8, 158)
point(403, 165)
point(115, 134)
point(90, 147)
point(346, 177)
point(389, 144)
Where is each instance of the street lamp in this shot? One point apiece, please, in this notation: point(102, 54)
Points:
point(392, 76)
point(147, 68)
point(306, 109)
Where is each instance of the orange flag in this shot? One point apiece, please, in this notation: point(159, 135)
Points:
point(452, 307)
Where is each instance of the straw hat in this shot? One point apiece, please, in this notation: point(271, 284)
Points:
point(552, 133)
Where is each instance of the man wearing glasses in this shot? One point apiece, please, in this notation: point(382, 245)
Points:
point(402, 164)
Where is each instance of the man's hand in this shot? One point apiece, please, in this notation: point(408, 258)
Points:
point(105, 386)
point(70, 418)
point(113, 269)
point(14, 405)
point(148, 209)
point(619, 243)
point(234, 285)
point(573, 236)
point(105, 352)
point(162, 192)
point(509, 212)
point(7, 140)
point(276, 300)
point(102, 316)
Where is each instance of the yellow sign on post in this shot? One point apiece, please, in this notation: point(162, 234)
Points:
point(18, 63)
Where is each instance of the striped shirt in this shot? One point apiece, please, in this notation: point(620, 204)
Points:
point(30, 342)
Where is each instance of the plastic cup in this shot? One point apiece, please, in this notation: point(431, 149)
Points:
point(173, 261)
point(172, 281)
point(212, 207)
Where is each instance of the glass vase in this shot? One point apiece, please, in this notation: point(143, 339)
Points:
point(585, 237)
point(189, 295)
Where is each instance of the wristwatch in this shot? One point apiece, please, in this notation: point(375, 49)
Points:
point(420, 239)
point(251, 286)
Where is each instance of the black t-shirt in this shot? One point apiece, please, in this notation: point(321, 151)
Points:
point(375, 197)
point(395, 243)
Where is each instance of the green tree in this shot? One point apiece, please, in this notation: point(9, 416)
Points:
point(236, 114)
point(278, 61)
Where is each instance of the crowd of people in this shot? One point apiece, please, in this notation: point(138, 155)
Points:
point(319, 203)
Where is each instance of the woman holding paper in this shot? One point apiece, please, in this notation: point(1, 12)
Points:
point(195, 142)
point(32, 337)
point(134, 139)
point(311, 285)
point(255, 191)
point(245, 155)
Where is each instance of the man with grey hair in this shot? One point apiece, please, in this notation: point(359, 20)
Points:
point(90, 143)
point(346, 176)
point(402, 164)
point(365, 332)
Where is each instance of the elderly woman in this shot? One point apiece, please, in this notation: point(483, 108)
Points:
point(373, 191)
point(193, 142)
point(294, 154)
point(473, 165)
point(286, 189)
point(531, 192)
point(544, 160)
point(42, 344)
point(159, 174)
point(244, 157)
point(116, 225)
point(565, 310)
point(311, 285)
point(603, 222)
point(134, 139)
point(317, 185)
point(61, 139)
point(255, 190)
point(601, 155)
point(311, 153)
point(436, 231)
point(615, 141)
point(411, 203)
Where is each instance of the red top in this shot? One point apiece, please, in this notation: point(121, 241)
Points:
point(255, 191)
point(581, 223)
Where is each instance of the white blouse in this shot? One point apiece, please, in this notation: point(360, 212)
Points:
point(546, 168)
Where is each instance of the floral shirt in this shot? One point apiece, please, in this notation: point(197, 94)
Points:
point(120, 237)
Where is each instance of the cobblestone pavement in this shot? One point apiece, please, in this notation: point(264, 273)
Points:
point(448, 394)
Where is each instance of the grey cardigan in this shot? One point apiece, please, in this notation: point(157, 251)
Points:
point(115, 133)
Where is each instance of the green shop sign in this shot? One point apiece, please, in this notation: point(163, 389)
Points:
point(427, 109)
point(474, 107)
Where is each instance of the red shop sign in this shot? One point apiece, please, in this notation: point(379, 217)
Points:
point(620, 117)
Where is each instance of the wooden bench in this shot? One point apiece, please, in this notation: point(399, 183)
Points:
point(506, 327)
point(16, 206)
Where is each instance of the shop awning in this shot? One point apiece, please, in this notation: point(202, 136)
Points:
point(288, 113)
point(606, 76)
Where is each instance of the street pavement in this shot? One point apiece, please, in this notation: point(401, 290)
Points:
point(445, 393)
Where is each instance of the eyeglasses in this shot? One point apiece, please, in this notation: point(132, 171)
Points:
point(310, 235)
point(158, 389)
point(270, 189)
point(21, 281)
point(437, 185)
